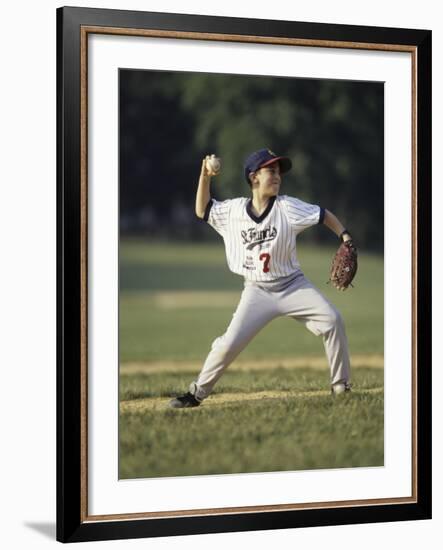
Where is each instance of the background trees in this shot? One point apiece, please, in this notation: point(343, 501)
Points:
point(332, 130)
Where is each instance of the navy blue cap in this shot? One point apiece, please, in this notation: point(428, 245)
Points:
point(265, 157)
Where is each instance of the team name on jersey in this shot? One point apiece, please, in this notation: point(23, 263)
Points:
point(253, 237)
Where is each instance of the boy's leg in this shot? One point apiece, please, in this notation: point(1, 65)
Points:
point(255, 309)
point(305, 303)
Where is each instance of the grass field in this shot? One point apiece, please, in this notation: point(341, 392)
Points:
point(272, 410)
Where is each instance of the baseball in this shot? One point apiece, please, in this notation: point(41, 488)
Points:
point(213, 164)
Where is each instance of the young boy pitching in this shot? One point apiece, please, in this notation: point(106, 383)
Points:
point(260, 236)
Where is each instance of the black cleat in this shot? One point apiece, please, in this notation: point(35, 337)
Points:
point(184, 401)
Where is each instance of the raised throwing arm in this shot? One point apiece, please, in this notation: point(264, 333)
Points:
point(203, 195)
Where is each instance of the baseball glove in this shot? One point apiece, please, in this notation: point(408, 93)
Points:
point(344, 266)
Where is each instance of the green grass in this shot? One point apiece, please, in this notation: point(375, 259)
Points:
point(294, 430)
point(278, 434)
point(149, 333)
point(158, 384)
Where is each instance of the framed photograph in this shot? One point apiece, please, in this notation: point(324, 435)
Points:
point(209, 169)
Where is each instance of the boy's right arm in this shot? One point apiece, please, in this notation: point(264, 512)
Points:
point(203, 191)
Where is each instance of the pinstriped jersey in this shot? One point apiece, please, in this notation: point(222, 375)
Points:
point(262, 248)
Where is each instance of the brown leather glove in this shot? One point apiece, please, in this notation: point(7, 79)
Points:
point(344, 266)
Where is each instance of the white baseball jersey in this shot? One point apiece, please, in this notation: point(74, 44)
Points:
point(262, 248)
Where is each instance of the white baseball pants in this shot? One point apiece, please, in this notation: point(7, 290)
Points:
point(257, 307)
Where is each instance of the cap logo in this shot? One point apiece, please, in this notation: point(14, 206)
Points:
point(271, 153)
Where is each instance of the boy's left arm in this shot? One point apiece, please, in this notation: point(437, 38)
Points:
point(344, 263)
point(334, 224)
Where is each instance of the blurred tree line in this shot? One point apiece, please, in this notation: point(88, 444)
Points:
point(332, 130)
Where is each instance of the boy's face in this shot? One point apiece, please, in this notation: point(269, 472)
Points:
point(267, 180)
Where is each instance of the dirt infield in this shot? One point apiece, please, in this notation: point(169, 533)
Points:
point(314, 362)
point(159, 403)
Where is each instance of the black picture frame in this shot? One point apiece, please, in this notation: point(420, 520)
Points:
point(73, 25)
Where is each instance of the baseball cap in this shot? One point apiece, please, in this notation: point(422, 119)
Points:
point(264, 157)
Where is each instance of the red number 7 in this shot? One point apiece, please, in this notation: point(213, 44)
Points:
point(267, 258)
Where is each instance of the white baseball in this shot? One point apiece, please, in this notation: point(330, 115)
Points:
point(213, 164)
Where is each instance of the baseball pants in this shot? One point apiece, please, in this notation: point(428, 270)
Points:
point(257, 307)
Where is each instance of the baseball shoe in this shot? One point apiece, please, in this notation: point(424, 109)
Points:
point(341, 387)
point(184, 401)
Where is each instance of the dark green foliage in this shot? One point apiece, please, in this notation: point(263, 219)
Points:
point(332, 130)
